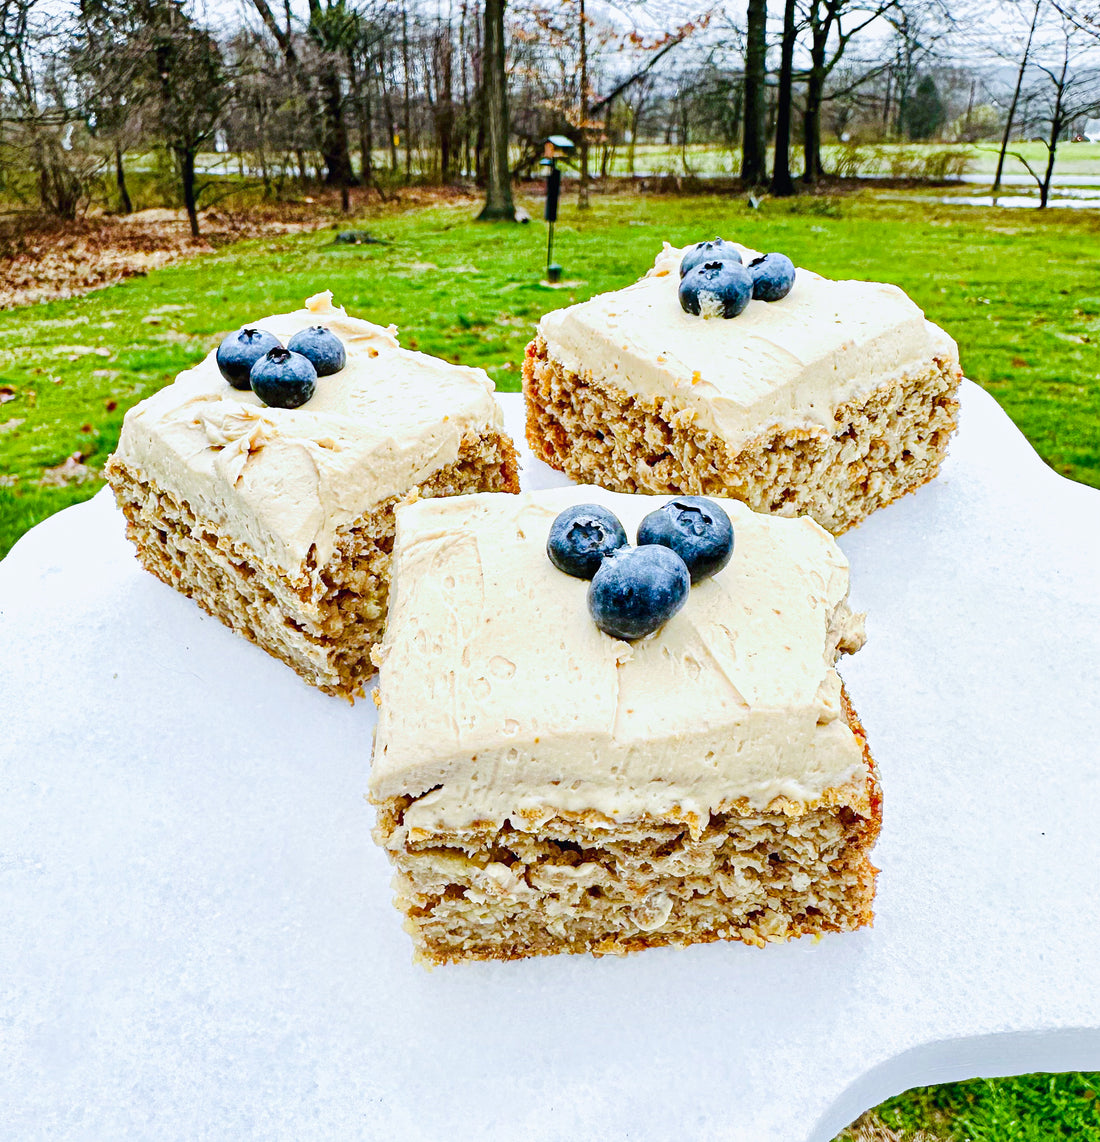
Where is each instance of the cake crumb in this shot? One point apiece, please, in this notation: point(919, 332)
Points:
point(320, 302)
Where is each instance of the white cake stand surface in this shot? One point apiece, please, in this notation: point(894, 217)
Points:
point(198, 940)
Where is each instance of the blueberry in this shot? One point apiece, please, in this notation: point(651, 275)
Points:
point(637, 590)
point(240, 351)
point(716, 289)
point(283, 379)
point(322, 347)
point(717, 251)
point(697, 529)
point(772, 276)
point(581, 536)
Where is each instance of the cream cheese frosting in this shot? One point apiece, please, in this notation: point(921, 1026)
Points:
point(286, 480)
point(501, 699)
point(787, 363)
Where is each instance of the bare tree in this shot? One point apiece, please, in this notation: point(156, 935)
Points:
point(186, 75)
point(1016, 97)
point(834, 22)
point(41, 124)
point(105, 70)
point(782, 185)
point(498, 190)
point(1069, 89)
point(754, 142)
point(919, 28)
point(330, 29)
point(582, 110)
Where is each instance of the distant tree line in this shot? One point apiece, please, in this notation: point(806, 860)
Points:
point(375, 94)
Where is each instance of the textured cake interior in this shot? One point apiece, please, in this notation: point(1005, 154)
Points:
point(322, 626)
point(580, 883)
point(878, 448)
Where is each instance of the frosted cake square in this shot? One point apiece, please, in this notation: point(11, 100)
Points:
point(832, 402)
point(543, 787)
point(279, 521)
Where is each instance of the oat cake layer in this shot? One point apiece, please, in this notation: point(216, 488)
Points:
point(543, 787)
point(832, 402)
point(280, 521)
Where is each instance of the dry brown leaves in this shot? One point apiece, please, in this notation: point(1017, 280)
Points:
point(42, 259)
point(869, 1128)
point(72, 471)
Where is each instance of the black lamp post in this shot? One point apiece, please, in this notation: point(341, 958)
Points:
point(556, 147)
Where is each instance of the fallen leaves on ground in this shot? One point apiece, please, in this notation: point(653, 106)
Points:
point(869, 1128)
point(72, 471)
point(41, 259)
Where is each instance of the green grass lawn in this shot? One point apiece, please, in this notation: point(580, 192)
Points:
point(1014, 289)
point(1017, 290)
point(1035, 1108)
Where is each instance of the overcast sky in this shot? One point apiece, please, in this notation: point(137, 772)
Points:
point(983, 27)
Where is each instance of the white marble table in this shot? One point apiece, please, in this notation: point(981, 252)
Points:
point(197, 936)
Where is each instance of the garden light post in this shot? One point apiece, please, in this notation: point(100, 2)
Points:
point(555, 147)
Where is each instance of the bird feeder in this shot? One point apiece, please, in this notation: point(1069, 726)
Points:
point(555, 147)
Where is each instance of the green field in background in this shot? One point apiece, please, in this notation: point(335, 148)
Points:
point(710, 159)
point(718, 159)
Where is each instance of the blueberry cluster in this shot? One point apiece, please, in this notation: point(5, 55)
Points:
point(714, 282)
point(280, 377)
point(636, 590)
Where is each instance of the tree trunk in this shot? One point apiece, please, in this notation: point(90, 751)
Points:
point(1056, 124)
point(334, 144)
point(1015, 100)
point(360, 95)
point(465, 94)
point(634, 111)
point(479, 141)
point(1052, 147)
point(754, 154)
point(366, 130)
point(582, 188)
point(187, 176)
point(782, 183)
point(498, 196)
point(811, 131)
point(445, 108)
point(815, 89)
point(430, 171)
point(387, 110)
point(608, 147)
point(408, 103)
point(125, 205)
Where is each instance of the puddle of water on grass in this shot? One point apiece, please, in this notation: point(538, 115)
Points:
point(1080, 200)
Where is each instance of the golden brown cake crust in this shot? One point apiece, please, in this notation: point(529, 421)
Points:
point(881, 448)
point(322, 625)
